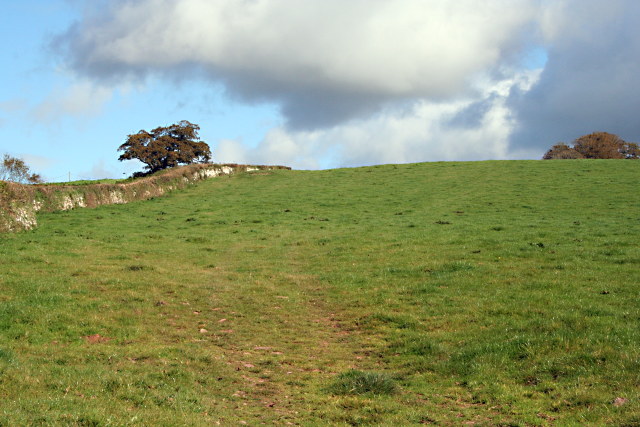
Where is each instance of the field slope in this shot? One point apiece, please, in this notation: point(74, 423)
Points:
point(488, 293)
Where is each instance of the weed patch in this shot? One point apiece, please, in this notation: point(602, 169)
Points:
point(363, 383)
point(138, 268)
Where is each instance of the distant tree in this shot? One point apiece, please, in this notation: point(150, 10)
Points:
point(16, 170)
point(166, 147)
point(597, 145)
point(562, 151)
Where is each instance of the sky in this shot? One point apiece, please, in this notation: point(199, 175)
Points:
point(314, 84)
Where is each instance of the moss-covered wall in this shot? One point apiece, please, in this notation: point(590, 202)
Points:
point(19, 203)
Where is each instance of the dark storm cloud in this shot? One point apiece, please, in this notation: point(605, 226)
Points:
point(471, 116)
point(590, 82)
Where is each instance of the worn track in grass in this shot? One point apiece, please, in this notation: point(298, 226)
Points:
point(489, 292)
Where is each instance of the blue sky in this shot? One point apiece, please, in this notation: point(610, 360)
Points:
point(83, 140)
point(314, 84)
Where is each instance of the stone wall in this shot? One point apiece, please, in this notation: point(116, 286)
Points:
point(19, 203)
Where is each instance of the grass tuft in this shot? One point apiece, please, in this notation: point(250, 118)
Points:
point(356, 382)
point(138, 268)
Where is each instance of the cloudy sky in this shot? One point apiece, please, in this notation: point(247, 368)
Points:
point(314, 83)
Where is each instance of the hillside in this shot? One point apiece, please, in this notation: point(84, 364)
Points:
point(480, 292)
point(20, 203)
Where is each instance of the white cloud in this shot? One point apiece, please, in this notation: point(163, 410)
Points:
point(230, 151)
point(466, 129)
point(324, 61)
point(13, 105)
point(374, 81)
point(79, 99)
point(10, 107)
point(37, 163)
point(99, 170)
point(302, 150)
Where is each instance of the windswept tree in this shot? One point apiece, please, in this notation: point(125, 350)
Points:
point(16, 170)
point(597, 145)
point(166, 147)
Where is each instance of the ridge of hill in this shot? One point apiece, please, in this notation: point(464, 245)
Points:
point(479, 293)
point(19, 203)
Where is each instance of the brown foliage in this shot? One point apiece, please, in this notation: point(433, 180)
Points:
point(597, 145)
point(562, 151)
point(166, 147)
point(16, 170)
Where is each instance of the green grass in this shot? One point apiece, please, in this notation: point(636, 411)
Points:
point(495, 293)
point(356, 382)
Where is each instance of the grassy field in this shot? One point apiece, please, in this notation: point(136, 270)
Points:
point(487, 293)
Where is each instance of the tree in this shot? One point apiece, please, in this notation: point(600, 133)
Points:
point(16, 170)
point(166, 147)
point(562, 151)
point(597, 145)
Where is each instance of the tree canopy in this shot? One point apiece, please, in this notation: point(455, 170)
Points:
point(16, 170)
point(562, 151)
point(597, 145)
point(166, 147)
